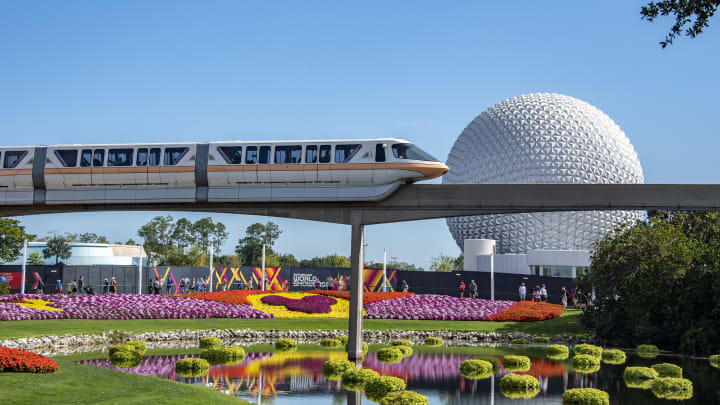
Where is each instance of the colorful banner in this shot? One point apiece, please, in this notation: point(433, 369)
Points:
point(12, 278)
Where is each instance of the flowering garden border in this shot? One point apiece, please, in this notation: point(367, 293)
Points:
point(21, 361)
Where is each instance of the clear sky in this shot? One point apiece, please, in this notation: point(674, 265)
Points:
point(171, 71)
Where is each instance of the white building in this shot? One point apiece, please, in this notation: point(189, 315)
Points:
point(92, 254)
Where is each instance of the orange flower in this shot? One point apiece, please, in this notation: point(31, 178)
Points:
point(529, 311)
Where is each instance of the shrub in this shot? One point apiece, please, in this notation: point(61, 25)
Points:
point(640, 373)
point(210, 343)
point(640, 383)
point(672, 388)
point(224, 355)
point(191, 367)
point(587, 349)
point(354, 379)
point(140, 347)
point(342, 339)
point(613, 356)
point(405, 350)
point(585, 396)
point(434, 341)
point(120, 348)
point(401, 342)
point(476, 369)
point(125, 359)
point(492, 360)
point(378, 388)
point(330, 343)
point(540, 339)
point(519, 386)
point(389, 355)
point(21, 361)
point(364, 347)
point(648, 351)
point(4, 289)
point(404, 398)
point(585, 363)
point(285, 344)
point(520, 341)
point(557, 352)
point(668, 370)
point(333, 369)
point(715, 360)
point(516, 363)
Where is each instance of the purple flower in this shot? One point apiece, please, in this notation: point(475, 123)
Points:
point(311, 304)
point(437, 307)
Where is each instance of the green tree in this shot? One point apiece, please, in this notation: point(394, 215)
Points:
point(443, 263)
point(287, 260)
point(228, 261)
point(157, 237)
point(696, 13)
point(12, 236)
point(90, 237)
point(205, 232)
point(250, 247)
point(185, 257)
point(130, 242)
point(59, 247)
point(333, 260)
point(35, 259)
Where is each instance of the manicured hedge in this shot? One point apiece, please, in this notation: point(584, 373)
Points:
point(613, 356)
point(210, 343)
point(343, 339)
point(389, 355)
point(405, 350)
point(557, 352)
point(140, 347)
point(519, 386)
point(587, 349)
point(330, 343)
point(520, 341)
point(401, 342)
point(715, 360)
point(191, 367)
point(668, 370)
point(516, 363)
point(476, 369)
point(354, 379)
point(378, 388)
point(585, 363)
point(224, 355)
point(648, 351)
point(333, 369)
point(585, 396)
point(540, 339)
point(640, 373)
point(120, 348)
point(492, 360)
point(672, 388)
point(285, 344)
point(125, 358)
point(434, 341)
point(404, 398)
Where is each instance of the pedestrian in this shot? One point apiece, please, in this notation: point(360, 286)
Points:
point(169, 285)
point(317, 283)
point(335, 284)
point(81, 284)
point(564, 297)
point(151, 290)
point(522, 290)
point(473, 289)
point(462, 288)
point(106, 286)
point(251, 285)
point(543, 294)
point(40, 286)
point(405, 286)
point(74, 285)
point(182, 285)
point(113, 286)
point(58, 286)
point(328, 283)
point(573, 297)
point(156, 286)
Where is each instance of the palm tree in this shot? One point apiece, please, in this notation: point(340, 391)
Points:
point(57, 246)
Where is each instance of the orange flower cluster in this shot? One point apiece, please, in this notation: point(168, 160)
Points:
point(20, 361)
point(368, 297)
point(232, 296)
point(529, 311)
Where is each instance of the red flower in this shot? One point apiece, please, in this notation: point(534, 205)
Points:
point(20, 361)
point(529, 311)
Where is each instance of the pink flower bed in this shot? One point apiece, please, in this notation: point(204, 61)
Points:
point(127, 306)
point(312, 304)
point(438, 307)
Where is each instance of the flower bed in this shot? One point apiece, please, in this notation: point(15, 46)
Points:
point(310, 304)
point(274, 303)
point(128, 306)
point(528, 311)
point(21, 361)
point(438, 307)
point(368, 297)
point(231, 297)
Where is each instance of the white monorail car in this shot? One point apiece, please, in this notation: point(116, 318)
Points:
point(337, 170)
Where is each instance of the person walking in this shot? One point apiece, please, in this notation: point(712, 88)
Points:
point(81, 284)
point(169, 285)
point(73, 286)
point(543, 294)
point(522, 290)
point(113, 286)
point(462, 288)
point(40, 286)
point(156, 286)
point(564, 297)
point(58, 286)
point(404, 286)
point(473, 289)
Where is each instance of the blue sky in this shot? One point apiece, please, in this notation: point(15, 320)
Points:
point(170, 71)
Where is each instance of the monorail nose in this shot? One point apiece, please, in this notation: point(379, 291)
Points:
point(436, 170)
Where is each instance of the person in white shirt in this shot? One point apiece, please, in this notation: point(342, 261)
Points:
point(522, 291)
point(543, 293)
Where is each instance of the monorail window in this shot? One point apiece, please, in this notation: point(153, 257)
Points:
point(173, 155)
point(343, 153)
point(98, 157)
point(13, 158)
point(264, 155)
point(231, 154)
point(86, 158)
point(142, 157)
point(379, 152)
point(288, 154)
point(410, 151)
point(68, 157)
point(311, 154)
point(154, 156)
point(325, 154)
point(120, 157)
point(251, 155)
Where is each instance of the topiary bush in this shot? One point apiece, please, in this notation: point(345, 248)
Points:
point(210, 343)
point(557, 352)
point(672, 388)
point(354, 379)
point(378, 388)
point(648, 351)
point(585, 363)
point(434, 341)
point(519, 386)
point(585, 396)
point(590, 350)
point(285, 344)
point(389, 355)
point(191, 367)
point(125, 358)
point(404, 398)
point(405, 350)
point(333, 369)
point(476, 369)
point(330, 343)
point(342, 339)
point(492, 360)
point(613, 356)
point(668, 370)
point(120, 348)
point(540, 339)
point(715, 360)
point(639, 377)
point(520, 341)
point(516, 363)
point(401, 342)
point(139, 347)
point(225, 355)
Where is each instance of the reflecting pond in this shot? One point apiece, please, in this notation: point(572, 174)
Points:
point(296, 377)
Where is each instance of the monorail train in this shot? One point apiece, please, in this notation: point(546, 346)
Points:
point(336, 170)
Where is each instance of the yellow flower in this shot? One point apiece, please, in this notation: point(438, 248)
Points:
point(41, 305)
point(339, 310)
point(285, 362)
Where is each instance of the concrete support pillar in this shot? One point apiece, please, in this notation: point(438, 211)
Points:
point(355, 328)
point(354, 398)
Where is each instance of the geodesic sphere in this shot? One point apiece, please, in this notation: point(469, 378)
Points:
point(542, 138)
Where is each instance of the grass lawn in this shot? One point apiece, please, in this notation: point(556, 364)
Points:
point(567, 323)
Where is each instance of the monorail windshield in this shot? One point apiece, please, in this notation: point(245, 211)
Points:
point(412, 152)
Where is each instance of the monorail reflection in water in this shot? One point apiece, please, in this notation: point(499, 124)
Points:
point(296, 378)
